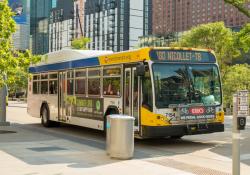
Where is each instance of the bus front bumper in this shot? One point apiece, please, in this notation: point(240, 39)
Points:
point(180, 130)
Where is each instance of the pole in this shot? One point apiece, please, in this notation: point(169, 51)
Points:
point(3, 93)
point(236, 139)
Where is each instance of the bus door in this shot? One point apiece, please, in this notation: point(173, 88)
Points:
point(61, 96)
point(131, 95)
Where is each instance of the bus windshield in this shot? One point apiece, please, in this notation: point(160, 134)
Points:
point(186, 84)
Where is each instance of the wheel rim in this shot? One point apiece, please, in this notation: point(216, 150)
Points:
point(45, 115)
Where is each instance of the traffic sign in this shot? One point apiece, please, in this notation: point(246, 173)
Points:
point(243, 105)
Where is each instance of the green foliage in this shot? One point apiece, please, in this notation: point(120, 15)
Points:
point(240, 5)
point(12, 62)
point(237, 78)
point(80, 43)
point(242, 39)
point(18, 76)
point(213, 36)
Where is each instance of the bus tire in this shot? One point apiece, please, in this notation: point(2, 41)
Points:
point(176, 137)
point(45, 118)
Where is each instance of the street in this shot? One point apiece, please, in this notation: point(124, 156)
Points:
point(26, 147)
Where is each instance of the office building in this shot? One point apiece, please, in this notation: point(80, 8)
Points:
point(54, 24)
point(180, 15)
point(65, 24)
point(39, 25)
point(116, 24)
point(22, 19)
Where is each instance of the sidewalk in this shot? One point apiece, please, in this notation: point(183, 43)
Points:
point(33, 152)
point(25, 152)
point(28, 148)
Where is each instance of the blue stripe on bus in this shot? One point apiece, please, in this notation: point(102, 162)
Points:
point(65, 65)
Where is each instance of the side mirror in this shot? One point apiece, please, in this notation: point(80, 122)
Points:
point(140, 69)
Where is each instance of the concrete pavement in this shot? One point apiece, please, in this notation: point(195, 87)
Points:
point(23, 151)
point(28, 148)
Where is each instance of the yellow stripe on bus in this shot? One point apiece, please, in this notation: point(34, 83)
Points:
point(125, 57)
point(149, 118)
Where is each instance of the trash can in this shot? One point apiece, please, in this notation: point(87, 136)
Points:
point(121, 140)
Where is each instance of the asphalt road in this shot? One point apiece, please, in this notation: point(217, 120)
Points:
point(207, 151)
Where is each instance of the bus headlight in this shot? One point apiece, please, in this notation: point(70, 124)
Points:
point(220, 116)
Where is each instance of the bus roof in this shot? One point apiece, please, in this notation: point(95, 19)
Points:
point(70, 55)
point(69, 59)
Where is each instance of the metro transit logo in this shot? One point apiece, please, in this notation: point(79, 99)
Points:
point(197, 110)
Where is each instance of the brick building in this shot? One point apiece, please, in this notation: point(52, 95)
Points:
point(180, 15)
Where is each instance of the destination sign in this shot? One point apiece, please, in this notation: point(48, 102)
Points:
point(182, 56)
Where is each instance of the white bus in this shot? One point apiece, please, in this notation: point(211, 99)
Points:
point(170, 91)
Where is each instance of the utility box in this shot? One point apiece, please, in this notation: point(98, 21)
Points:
point(120, 142)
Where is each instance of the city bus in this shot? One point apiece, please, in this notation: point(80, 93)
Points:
point(171, 92)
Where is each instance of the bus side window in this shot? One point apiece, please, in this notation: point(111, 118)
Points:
point(53, 83)
point(80, 82)
point(70, 82)
point(94, 85)
point(112, 81)
point(53, 87)
point(36, 84)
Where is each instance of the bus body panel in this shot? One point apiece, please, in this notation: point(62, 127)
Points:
point(89, 123)
point(32, 101)
point(38, 100)
point(113, 102)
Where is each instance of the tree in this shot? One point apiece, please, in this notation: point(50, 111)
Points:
point(80, 43)
point(240, 5)
point(18, 77)
point(11, 60)
point(242, 38)
point(213, 36)
point(237, 77)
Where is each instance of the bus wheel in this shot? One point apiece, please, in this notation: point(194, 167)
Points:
point(176, 137)
point(45, 117)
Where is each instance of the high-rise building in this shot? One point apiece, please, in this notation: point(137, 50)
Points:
point(39, 25)
point(65, 24)
point(116, 24)
point(180, 15)
point(22, 18)
point(54, 24)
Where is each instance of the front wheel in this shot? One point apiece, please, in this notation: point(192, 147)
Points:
point(176, 137)
point(45, 118)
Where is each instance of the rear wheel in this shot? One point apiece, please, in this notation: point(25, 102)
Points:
point(45, 117)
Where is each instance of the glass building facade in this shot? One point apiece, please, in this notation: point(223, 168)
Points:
point(54, 23)
point(39, 25)
point(116, 24)
point(66, 22)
